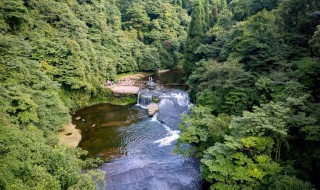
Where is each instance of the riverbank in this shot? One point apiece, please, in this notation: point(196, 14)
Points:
point(130, 83)
point(127, 84)
point(71, 136)
point(114, 100)
point(121, 95)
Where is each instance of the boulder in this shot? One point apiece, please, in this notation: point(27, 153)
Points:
point(153, 108)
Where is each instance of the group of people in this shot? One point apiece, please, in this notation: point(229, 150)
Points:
point(124, 82)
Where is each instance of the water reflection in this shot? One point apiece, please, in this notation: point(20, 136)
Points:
point(102, 128)
point(170, 79)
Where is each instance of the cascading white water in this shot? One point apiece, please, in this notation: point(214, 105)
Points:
point(144, 98)
point(147, 160)
point(172, 104)
point(182, 98)
point(172, 135)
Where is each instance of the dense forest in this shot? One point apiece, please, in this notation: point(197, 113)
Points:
point(55, 55)
point(254, 75)
point(253, 69)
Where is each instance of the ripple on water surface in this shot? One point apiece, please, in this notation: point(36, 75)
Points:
point(140, 148)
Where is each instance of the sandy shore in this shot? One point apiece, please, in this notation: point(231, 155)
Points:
point(127, 84)
point(70, 136)
point(125, 89)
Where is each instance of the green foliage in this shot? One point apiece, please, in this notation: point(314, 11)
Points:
point(256, 43)
point(300, 21)
point(257, 64)
point(136, 17)
point(267, 120)
point(30, 100)
point(150, 60)
point(225, 88)
point(244, 159)
point(55, 56)
point(201, 128)
point(246, 8)
point(237, 165)
point(161, 26)
point(14, 14)
point(197, 29)
point(286, 182)
point(309, 70)
point(315, 42)
point(28, 162)
point(31, 97)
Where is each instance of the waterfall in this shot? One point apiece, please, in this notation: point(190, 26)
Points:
point(144, 98)
point(181, 98)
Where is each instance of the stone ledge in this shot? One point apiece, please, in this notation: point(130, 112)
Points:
point(153, 108)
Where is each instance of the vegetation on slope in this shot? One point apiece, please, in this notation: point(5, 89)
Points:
point(254, 76)
point(55, 56)
point(253, 70)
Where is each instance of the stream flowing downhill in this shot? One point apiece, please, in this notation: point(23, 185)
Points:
point(140, 148)
point(150, 162)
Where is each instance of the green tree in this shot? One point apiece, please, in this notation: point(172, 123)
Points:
point(246, 8)
point(225, 88)
point(136, 17)
point(201, 129)
point(315, 42)
point(285, 182)
point(150, 59)
point(178, 2)
point(299, 23)
point(308, 74)
point(196, 33)
point(14, 14)
point(256, 42)
point(28, 162)
point(239, 163)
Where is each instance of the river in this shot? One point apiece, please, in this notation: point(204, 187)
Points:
point(138, 149)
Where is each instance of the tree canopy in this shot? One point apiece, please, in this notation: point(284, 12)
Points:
point(57, 55)
point(253, 69)
point(254, 79)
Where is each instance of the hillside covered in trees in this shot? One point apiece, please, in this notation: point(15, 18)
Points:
point(254, 75)
point(55, 55)
point(253, 69)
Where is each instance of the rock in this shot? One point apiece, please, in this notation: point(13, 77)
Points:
point(77, 118)
point(70, 136)
point(83, 120)
point(153, 108)
point(93, 125)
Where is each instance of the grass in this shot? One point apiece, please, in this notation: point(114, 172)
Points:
point(137, 74)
